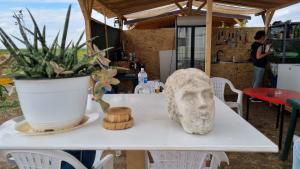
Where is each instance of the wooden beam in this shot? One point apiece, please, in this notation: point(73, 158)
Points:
point(180, 7)
point(190, 7)
point(175, 13)
point(107, 9)
point(208, 37)
point(263, 4)
point(201, 6)
point(260, 13)
point(268, 19)
point(237, 21)
point(241, 23)
point(263, 17)
point(125, 7)
point(86, 8)
point(106, 35)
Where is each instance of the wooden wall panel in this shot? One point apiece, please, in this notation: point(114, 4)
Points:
point(237, 49)
point(146, 44)
point(240, 74)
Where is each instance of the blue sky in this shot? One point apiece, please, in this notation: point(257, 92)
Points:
point(52, 13)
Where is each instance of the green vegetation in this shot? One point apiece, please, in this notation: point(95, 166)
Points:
point(80, 53)
point(3, 52)
point(55, 61)
point(38, 60)
point(5, 101)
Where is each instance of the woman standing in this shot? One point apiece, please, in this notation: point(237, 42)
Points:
point(259, 58)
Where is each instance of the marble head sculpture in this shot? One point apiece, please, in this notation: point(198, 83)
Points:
point(190, 100)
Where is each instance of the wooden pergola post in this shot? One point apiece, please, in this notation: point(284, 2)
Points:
point(86, 8)
point(208, 37)
point(268, 18)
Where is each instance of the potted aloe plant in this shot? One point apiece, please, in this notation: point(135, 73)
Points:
point(52, 81)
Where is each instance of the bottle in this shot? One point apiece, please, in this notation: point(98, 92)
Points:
point(142, 76)
point(144, 87)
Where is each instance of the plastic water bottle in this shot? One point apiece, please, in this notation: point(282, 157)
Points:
point(143, 82)
point(142, 76)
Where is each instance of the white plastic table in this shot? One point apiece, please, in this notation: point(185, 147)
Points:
point(152, 130)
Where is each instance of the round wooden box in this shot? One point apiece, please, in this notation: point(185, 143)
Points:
point(118, 118)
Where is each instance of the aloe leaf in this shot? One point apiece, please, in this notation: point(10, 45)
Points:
point(20, 40)
point(23, 34)
point(44, 33)
point(54, 43)
point(80, 66)
point(49, 70)
point(10, 49)
point(34, 34)
point(65, 32)
point(8, 39)
point(83, 44)
point(68, 45)
point(38, 31)
point(35, 44)
point(80, 38)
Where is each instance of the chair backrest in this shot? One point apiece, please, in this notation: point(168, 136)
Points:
point(186, 159)
point(42, 159)
point(177, 159)
point(219, 84)
point(151, 84)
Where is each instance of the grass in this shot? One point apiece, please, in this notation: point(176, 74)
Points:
point(3, 51)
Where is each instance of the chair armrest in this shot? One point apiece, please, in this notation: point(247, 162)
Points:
point(105, 163)
point(295, 103)
point(97, 157)
point(239, 92)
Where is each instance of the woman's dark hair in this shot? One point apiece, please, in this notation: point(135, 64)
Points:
point(259, 35)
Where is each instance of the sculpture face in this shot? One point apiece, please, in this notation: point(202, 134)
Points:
point(190, 100)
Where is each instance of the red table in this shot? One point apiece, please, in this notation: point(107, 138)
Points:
point(272, 95)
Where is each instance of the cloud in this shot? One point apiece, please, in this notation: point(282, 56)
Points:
point(53, 19)
point(40, 1)
point(284, 14)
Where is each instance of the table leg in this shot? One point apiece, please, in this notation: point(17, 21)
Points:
point(281, 126)
point(247, 109)
point(135, 159)
point(278, 115)
point(289, 137)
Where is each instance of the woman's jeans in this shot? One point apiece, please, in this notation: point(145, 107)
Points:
point(296, 154)
point(258, 76)
point(86, 157)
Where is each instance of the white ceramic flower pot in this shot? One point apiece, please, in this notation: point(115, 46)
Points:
point(53, 104)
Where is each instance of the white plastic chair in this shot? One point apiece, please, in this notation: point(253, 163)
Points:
point(151, 84)
point(186, 159)
point(219, 88)
point(51, 159)
point(183, 159)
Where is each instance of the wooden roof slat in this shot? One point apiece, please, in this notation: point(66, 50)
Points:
point(263, 4)
point(174, 13)
point(125, 7)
